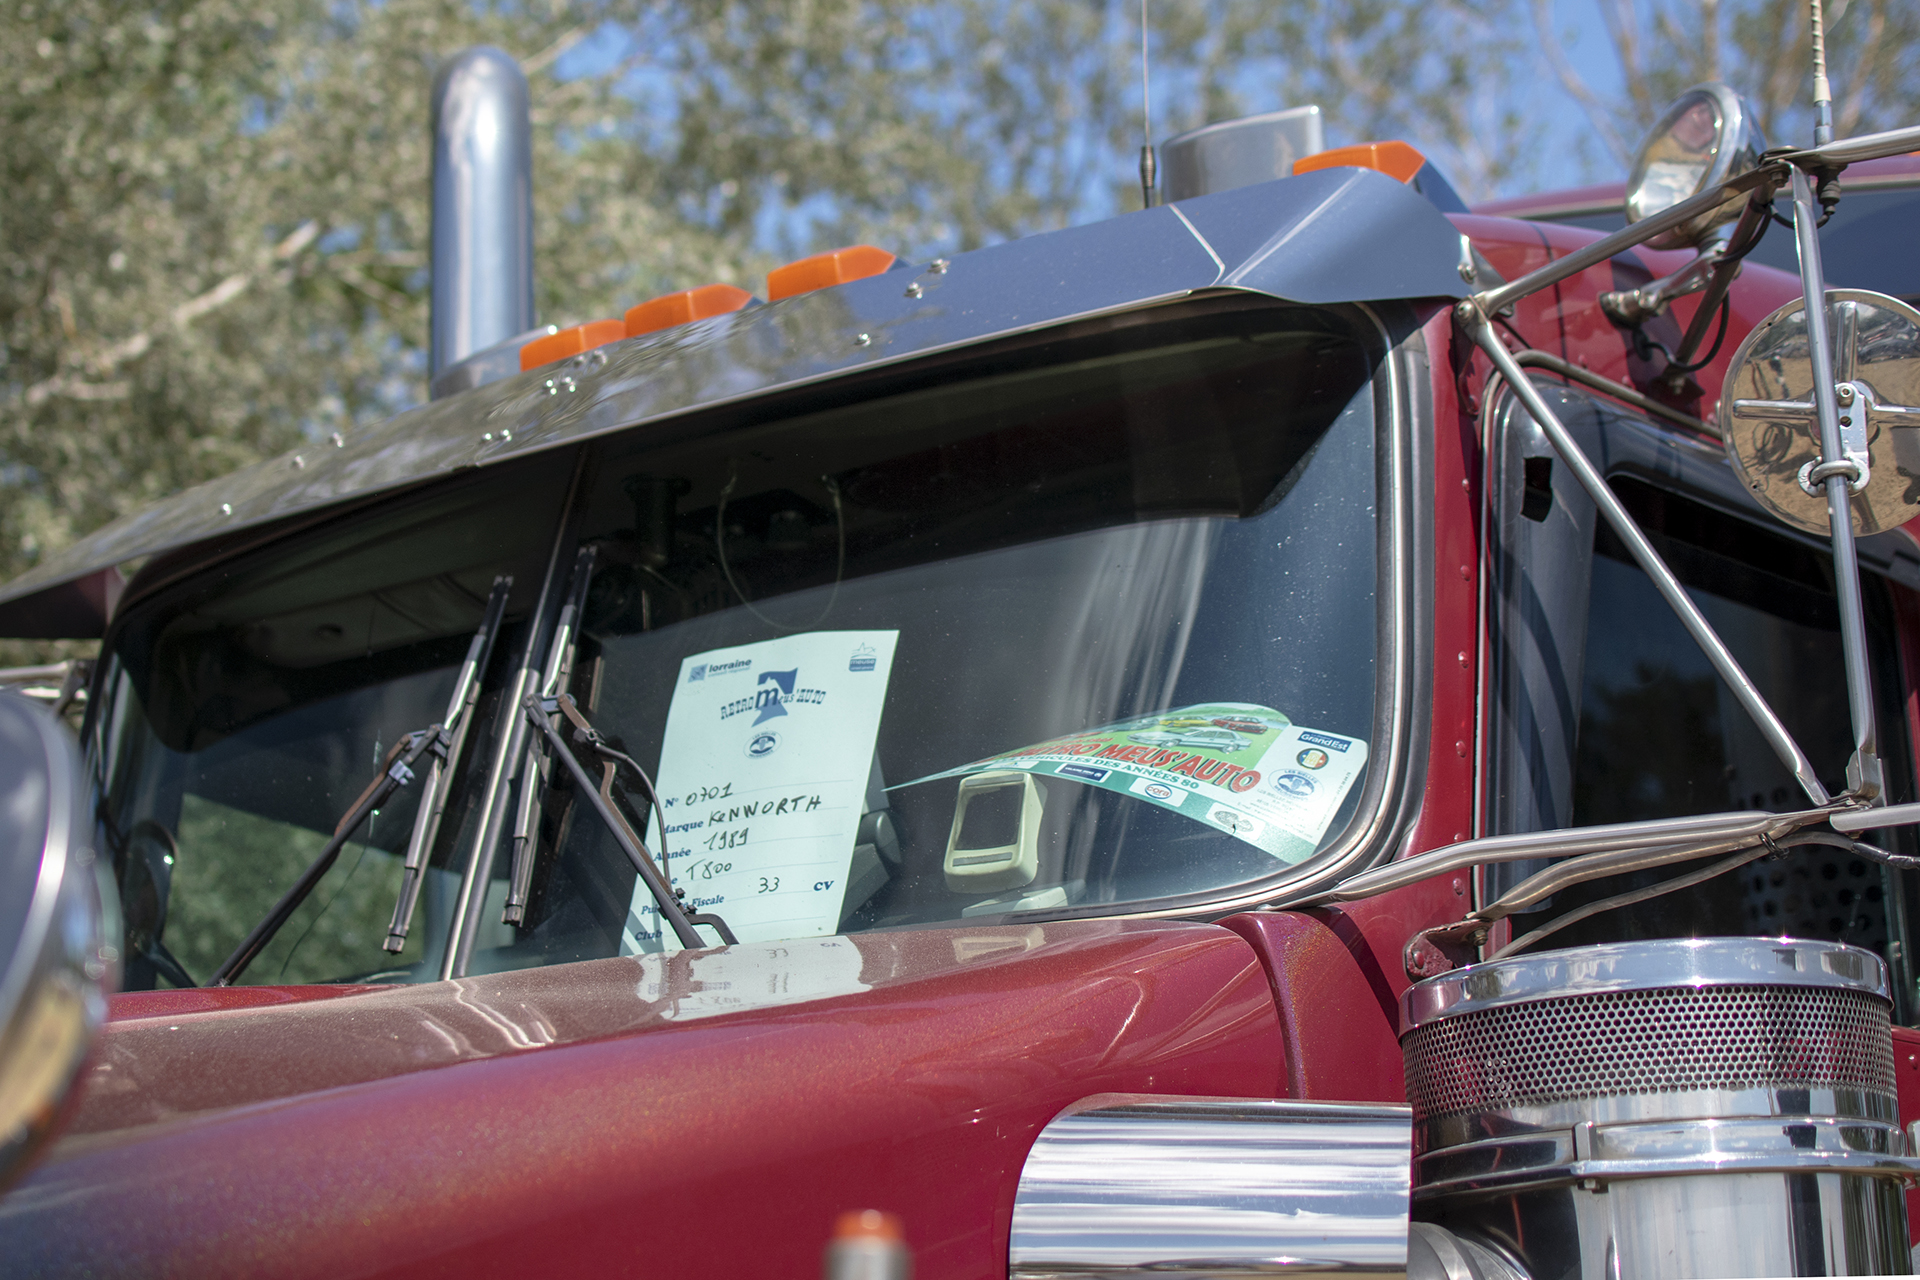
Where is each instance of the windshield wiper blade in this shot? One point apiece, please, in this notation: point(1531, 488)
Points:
point(623, 834)
point(433, 800)
point(396, 771)
point(534, 766)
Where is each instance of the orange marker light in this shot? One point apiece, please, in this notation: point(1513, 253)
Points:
point(855, 262)
point(570, 342)
point(1395, 159)
point(684, 307)
point(867, 1245)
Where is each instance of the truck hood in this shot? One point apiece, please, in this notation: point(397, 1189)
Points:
point(403, 1127)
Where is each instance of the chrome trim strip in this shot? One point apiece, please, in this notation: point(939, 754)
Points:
point(1778, 1144)
point(1573, 840)
point(1644, 966)
point(1125, 1185)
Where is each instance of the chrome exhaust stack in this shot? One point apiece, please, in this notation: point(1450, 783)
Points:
point(1685, 1108)
point(482, 208)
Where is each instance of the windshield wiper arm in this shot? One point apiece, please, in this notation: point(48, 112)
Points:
point(630, 844)
point(534, 766)
point(396, 771)
point(433, 800)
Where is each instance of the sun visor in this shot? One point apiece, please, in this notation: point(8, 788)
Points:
point(1330, 236)
point(76, 609)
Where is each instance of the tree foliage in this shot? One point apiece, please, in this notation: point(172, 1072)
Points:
point(214, 239)
point(1761, 47)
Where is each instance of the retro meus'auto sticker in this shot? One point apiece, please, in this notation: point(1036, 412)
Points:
point(1243, 768)
point(762, 773)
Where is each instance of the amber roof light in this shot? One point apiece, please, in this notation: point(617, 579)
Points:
point(1395, 159)
point(822, 270)
point(570, 342)
point(685, 307)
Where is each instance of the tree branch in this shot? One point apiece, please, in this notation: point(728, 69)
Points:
point(133, 348)
point(1572, 82)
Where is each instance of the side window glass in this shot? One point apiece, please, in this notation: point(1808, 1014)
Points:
point(1660, 736)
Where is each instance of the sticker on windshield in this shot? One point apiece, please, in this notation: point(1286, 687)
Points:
point(762, 775)
point(1245, 769)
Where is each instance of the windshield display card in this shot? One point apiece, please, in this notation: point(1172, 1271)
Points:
point(762, 776)
point(1243, 768)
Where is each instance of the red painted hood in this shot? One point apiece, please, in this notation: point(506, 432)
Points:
point(707, 1112)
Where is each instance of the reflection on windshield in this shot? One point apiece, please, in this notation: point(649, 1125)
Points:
point(810, 628)
point(828, 625)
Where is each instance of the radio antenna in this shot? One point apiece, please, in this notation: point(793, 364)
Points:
point(1148, 167)
point(1822, 90)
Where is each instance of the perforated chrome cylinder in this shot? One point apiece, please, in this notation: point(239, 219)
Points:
point(1693, 1107)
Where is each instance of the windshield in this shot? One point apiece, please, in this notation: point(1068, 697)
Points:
point(1084, 625)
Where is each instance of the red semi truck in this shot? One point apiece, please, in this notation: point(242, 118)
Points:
point(1290, 731)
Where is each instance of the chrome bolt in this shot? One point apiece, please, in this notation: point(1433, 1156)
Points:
point(298, 462)
point(913, 290)
point(226, 508)
point(487, 436)
point(338, 441)
point(1846, 393)
point(938, 267)
point(862, 339)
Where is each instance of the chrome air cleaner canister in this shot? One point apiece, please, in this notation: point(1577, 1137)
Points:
point(1707, 1107)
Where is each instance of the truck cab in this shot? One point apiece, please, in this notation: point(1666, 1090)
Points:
point(848, 745)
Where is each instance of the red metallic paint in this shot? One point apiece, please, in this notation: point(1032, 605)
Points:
point(1906, 1070)
point(1446, 808)
point(1890, 171)
point(129, 1006)
point(602, 1131)
point(1567, 321)
point(1337, 976)
point(1906, 621)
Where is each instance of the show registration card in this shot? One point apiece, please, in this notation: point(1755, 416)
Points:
point(1243, 768)
point(762, 777)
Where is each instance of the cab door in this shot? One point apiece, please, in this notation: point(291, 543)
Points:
point(1599, 708)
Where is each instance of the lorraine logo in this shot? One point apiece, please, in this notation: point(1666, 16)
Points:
point(864, 659)
point(1297, 785)
point(698, 673)
point(762, 744)
point(771, 692)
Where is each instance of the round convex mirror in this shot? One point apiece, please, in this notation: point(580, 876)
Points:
point(1707, 136)
point(55, 960)
point(1767, 411)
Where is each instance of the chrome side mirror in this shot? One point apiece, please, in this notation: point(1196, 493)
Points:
point(1708, 134)
point(57, 957)
point(1773, 436)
